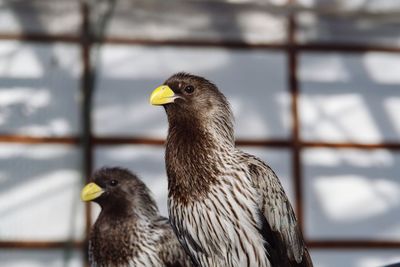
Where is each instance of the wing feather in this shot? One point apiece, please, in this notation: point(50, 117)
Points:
point(278, 212)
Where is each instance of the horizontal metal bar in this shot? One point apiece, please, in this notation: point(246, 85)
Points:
point(69, 140)
point(339, 47)
point(353, 244)
point(269, 143)
point(126, 140)
point(320, 47)
point(250, 142)
point(155, 141)
point(385, 145)
point(41, 244)
point(229, 44)
point(232, 44)
point(37, 37)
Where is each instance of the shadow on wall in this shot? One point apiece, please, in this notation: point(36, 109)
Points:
point(40, 184)
point(39, 258)
point(350, 98)
point(352, 194)
point(357, 28)
point(39, 89)
point(254, 83)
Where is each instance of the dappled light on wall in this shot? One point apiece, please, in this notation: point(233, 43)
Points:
point(349, 191)
point(351, 100)
point(39, 89)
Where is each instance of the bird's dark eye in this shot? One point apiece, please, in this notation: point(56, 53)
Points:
point(113, 182)
point(189, 89)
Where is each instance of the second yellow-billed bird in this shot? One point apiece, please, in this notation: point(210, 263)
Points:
point(227, 207)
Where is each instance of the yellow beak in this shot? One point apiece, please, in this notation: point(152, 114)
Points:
point(91, 191)
point(162, 95)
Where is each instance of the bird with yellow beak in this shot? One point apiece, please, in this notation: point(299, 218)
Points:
point(129, 230)
point(228, 207)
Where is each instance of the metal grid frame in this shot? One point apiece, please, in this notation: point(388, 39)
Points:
point(295, 144)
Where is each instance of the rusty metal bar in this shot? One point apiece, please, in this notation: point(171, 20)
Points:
point(155, 141)
point(312, 46)
point(40, 244)
point(86, 92)
point(293, 84)
point(127, 140)
point(280, 143)
point(264, 143)
point(228, 44)
point(386, 145)
point(231, 44)
point(24, 139)
point(43, 38)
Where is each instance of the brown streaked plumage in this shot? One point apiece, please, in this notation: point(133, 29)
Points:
point(228, 208)
point(129, 230)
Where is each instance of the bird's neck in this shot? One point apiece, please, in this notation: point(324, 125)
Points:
point(194, 157)
point(115, 228)
point(128, 211)
point(107, 219)
point(116, 208)
point(114, 239)
point(208, 132)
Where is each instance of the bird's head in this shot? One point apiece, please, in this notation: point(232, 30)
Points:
point(194, 99)
point(120, 192)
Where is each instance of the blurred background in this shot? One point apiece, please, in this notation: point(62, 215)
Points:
point(314, 85)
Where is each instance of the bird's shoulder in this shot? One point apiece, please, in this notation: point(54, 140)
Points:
point(262, 175)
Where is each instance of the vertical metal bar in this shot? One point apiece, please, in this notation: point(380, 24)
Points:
point(87, 88)
point(296, 145)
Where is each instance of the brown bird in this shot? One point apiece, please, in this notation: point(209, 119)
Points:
point(129, 230)
point(227, 207)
